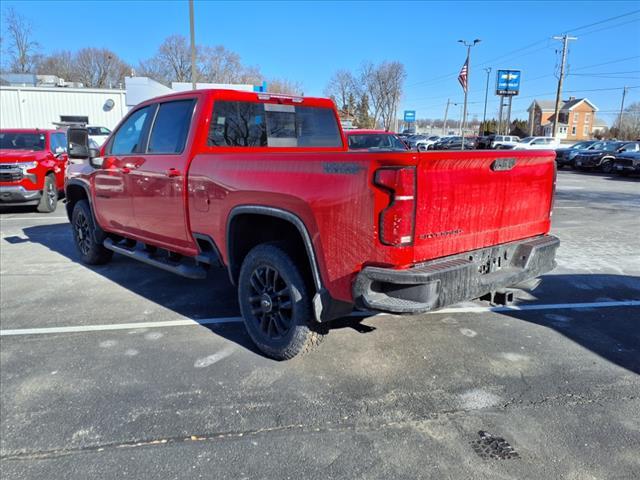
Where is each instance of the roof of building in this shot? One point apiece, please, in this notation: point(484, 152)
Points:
point(598, 122)
point(567, 105)
point(545, 105)
point(574, 102)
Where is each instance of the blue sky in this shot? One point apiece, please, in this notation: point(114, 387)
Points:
point(309, 41)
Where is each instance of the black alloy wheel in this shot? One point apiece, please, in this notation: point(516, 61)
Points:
point(276, 302)
point(270, 301)
point(82, 233)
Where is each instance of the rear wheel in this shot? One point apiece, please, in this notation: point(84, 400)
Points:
point(89, 246)
point(276, 303)
point(49, 200)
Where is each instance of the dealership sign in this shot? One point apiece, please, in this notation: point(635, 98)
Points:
point(409, 115)
point(508, 82)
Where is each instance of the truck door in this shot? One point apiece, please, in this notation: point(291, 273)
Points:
point(158, 183)
point(112, 187)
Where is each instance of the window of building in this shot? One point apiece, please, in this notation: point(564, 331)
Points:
point(171, 127)
point(576, 117)
point(573, 130)
point(587, 117)
point(586, 130)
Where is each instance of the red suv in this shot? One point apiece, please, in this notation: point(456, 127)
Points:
point(32, 167)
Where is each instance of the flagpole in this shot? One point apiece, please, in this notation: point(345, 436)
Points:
point(466, 86)
point(466, 93)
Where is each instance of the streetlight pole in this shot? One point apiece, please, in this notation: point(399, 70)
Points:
point(466, 90)
point(193, 46)
point(486, 94)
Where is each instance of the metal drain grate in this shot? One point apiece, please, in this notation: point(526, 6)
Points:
point(493, 447)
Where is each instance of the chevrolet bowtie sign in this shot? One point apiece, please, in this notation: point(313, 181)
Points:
point(508, 82)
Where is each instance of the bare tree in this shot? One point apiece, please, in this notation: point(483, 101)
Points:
point(99, 68)
point(390, 77)
point(219, 65)
point(340, 87)
point(22, 49)
point(286, 87)
point(61, 64)
point(628, 127)
point(171, 63)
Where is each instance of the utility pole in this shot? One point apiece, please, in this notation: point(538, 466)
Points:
point(624, 94)
point(466, 86)
point(193, 46)
point(486, 94)
point(565, 43)
point(446, 113)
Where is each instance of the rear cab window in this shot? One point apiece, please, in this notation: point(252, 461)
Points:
point(272, 125)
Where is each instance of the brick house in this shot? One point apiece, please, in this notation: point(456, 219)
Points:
point(575, 120)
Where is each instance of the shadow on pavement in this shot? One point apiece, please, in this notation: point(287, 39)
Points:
point(613, 334)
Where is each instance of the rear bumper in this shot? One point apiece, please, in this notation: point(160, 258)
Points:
point(10, 195)
point(442, 282)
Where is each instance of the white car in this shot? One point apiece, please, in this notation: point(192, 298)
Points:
point(98, 134)
point(426, 142)
point(537, 143)
point(502, 141)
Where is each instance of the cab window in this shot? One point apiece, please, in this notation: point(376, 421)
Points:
point(58, 143)
point(170, 127)
point(129, 136)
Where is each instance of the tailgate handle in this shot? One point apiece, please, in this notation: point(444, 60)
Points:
point(503, 164)
point(173, 172)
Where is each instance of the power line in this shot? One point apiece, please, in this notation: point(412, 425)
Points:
point(610, 27)
point(619, 60)
point(574, 30)
point(445, 77)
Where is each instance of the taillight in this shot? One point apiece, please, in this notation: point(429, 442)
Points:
point(553, 189)
point(398, 219)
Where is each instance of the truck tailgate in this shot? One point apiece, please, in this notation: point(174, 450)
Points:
point(474, 199)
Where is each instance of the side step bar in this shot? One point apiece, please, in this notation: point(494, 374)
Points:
point(190, 271)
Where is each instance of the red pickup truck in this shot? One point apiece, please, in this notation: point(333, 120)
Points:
point(32, 165)
point(265, 186)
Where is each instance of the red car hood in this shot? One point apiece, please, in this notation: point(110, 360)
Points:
point(15, 156)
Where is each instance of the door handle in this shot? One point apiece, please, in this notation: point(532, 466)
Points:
point(125, 170)
point(173, 172)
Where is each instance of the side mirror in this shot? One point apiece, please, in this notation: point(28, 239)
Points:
point(78, 143)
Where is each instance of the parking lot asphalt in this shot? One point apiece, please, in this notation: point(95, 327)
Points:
point(549, 390)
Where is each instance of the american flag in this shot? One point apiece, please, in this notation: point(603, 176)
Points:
point(462, 77)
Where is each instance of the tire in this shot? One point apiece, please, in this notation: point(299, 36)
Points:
point(607, 166)
point(49, 200)
point(89, 247)
point(275, 303)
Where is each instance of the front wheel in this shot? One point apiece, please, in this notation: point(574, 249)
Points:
point(276, 303)
point(89, 247)
point(607, 166)
point(49, 200)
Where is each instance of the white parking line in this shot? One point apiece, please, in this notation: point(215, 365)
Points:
point(223, 320)
point(5, 219)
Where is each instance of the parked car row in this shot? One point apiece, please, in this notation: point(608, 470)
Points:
point(602, 156)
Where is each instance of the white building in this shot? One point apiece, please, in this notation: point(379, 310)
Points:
point(24, 105)
point(43, 107)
